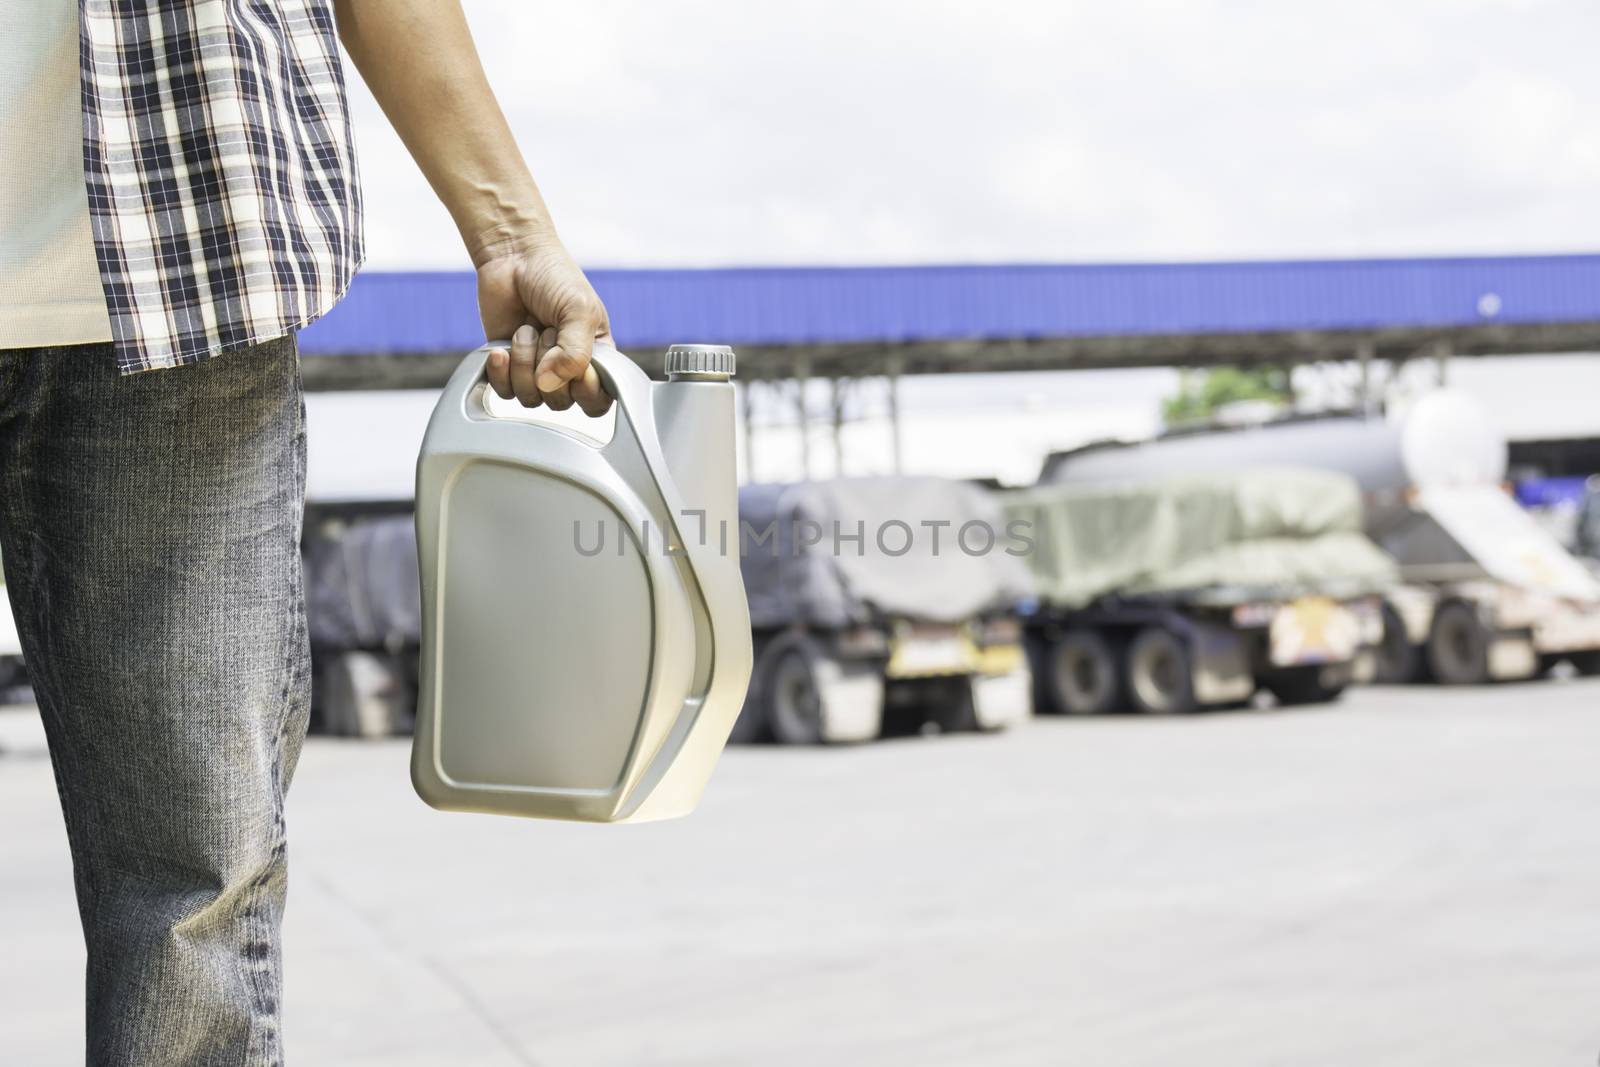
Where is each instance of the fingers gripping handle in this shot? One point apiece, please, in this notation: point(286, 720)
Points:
point(619, 376)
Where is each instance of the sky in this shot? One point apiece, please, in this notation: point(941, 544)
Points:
point(693, 132)
point(754, 132)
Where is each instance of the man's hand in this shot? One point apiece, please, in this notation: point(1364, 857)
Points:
point(418, 59)
point(541, 300)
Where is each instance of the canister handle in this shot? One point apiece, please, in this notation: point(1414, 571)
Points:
point(620, 377)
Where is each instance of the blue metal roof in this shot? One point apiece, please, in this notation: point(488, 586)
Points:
point(437, 312)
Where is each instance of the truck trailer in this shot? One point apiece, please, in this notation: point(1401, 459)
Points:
point(1167, 595)
point(1486, 593)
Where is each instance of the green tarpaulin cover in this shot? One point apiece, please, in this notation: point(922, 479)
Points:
point(1225, 537)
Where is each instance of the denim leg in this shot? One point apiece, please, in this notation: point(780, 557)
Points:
point(150, 528)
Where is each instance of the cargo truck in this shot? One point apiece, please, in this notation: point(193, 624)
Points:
point(880, 604)
point(364, 616)
point(1486, 592)
point(1168, 595)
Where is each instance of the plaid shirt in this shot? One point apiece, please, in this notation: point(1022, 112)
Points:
point(221, 171)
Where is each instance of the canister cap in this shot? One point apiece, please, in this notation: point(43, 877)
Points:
point(710, 360)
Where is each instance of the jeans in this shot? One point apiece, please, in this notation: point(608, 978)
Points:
point(150, 528)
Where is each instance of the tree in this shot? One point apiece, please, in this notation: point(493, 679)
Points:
point(1201, 393)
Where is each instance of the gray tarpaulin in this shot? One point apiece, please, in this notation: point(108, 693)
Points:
point(842, 552)
point(1266, 531)
point(362, 588)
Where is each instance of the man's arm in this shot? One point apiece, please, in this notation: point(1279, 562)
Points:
point(418, 59)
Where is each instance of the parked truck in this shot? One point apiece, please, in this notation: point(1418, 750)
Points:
point(1170, 594)
point(364, 616)
point(362, 585)
point(880, 603)
point(1486, 592)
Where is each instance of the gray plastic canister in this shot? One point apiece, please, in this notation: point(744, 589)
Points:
point(585, 638)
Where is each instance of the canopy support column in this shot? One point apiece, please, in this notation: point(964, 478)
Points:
point(1364, 355)
point(838, 427)
point(893, 367)
point(802, 376)
point(747, 390)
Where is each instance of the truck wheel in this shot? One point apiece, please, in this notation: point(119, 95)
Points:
point(794, 699)
point(1399, 661)
point(1458, 646)
point(812, 698)
point(12, 673)
point(984, 704)
point(1301, 685)
point(752, 725)
point(362, 694)
point(957, 711)
point(1037, 647)
point(1081, 673)
point(1160, 674)
point(1586, 663)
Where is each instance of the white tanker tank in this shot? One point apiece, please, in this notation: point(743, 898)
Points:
point(1445, 438)
point(1488, 594)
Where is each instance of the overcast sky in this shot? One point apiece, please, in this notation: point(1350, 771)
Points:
point(880, 131)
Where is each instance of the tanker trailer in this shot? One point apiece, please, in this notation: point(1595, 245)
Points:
point(880, 601)
point(1486, 593)
point(1178, 593)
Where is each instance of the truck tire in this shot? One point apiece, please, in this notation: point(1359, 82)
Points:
point(1036, 644)
point(1399, 661)
point(1301, 685)
point(957, 713)
point(813, 698)
point(1458, 645)
point(1082, 674)
point(1586, 663)
point(794, 699)
point(1160, 677)
point(12, 672)
point(984, 704)
point(752, 726)
point(362, 694)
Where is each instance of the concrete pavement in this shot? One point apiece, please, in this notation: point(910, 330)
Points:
point(1409, 879)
